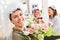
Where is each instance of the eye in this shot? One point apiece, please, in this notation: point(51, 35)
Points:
point(20, 14)
point(15, 16)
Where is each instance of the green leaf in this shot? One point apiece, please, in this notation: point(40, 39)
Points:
point(49, 32)
point(32, 37)
point(40, 36)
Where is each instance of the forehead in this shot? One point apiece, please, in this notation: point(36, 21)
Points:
point(49, 9)
point(17, 12)
point(37, 11)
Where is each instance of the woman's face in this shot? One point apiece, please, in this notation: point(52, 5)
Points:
point(37, 13)
point(50, 11)
point(17, 18)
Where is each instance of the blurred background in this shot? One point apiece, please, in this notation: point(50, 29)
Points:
point(27, 6)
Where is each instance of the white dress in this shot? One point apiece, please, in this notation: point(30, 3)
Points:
point(56, 23)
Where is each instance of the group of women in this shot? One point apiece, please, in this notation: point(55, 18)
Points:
point(17, 18)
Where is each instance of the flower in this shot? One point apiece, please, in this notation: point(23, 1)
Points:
point(45, 27)
point(30, 30)
point(35, 26)
point(37, 31)
point(26, 33)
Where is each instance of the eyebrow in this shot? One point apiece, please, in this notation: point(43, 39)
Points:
point(14, 15)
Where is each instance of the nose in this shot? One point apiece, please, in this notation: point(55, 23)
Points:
point(19, 18)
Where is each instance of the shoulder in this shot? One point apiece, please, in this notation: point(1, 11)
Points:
point(56, 18)
point(17, 36)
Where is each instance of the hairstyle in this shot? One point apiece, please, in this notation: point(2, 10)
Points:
point(13, 12)
point(54, 11)
point(34, 11)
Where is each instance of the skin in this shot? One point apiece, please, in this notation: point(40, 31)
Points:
point(37, 13)
point(50, 11)
point(35, 18)
point(17, 19)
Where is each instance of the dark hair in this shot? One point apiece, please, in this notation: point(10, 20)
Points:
point(35, 10)
point(55, 12)
point(13, 12)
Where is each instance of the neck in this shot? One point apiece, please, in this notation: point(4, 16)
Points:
point(51, 16)
point(18, 27)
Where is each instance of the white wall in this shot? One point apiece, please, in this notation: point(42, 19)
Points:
point(56, 3)
point(32, 2)
point(45, 11)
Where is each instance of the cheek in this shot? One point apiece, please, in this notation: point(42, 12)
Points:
point(49, 12)
point(34, 13)
point(37, 13)
point(23, 23)
point(22, 19)
point(14, 21)
point(52, 12)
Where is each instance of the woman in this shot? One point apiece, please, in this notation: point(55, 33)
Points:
point(36, 12)
point(36, 15)
point(55, 22)
point(17, 19)
point(39, 19)
point(54, 19)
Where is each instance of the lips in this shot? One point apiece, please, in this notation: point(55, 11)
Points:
point(20, 22)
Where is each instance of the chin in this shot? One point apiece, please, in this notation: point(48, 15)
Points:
point(21, 25)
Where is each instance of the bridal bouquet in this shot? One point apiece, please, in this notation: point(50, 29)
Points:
point(37, 31)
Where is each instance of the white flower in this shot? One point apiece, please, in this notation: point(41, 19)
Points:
point(26, 33)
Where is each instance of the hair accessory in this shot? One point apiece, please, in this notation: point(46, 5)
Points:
point(53, 7)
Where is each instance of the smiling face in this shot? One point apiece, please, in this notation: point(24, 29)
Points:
point(36, 12)
point(17, 18)
point(50, 11)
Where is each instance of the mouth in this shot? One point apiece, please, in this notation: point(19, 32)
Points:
point(20, 22)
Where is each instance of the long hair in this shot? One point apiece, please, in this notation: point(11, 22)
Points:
point(54, 12)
